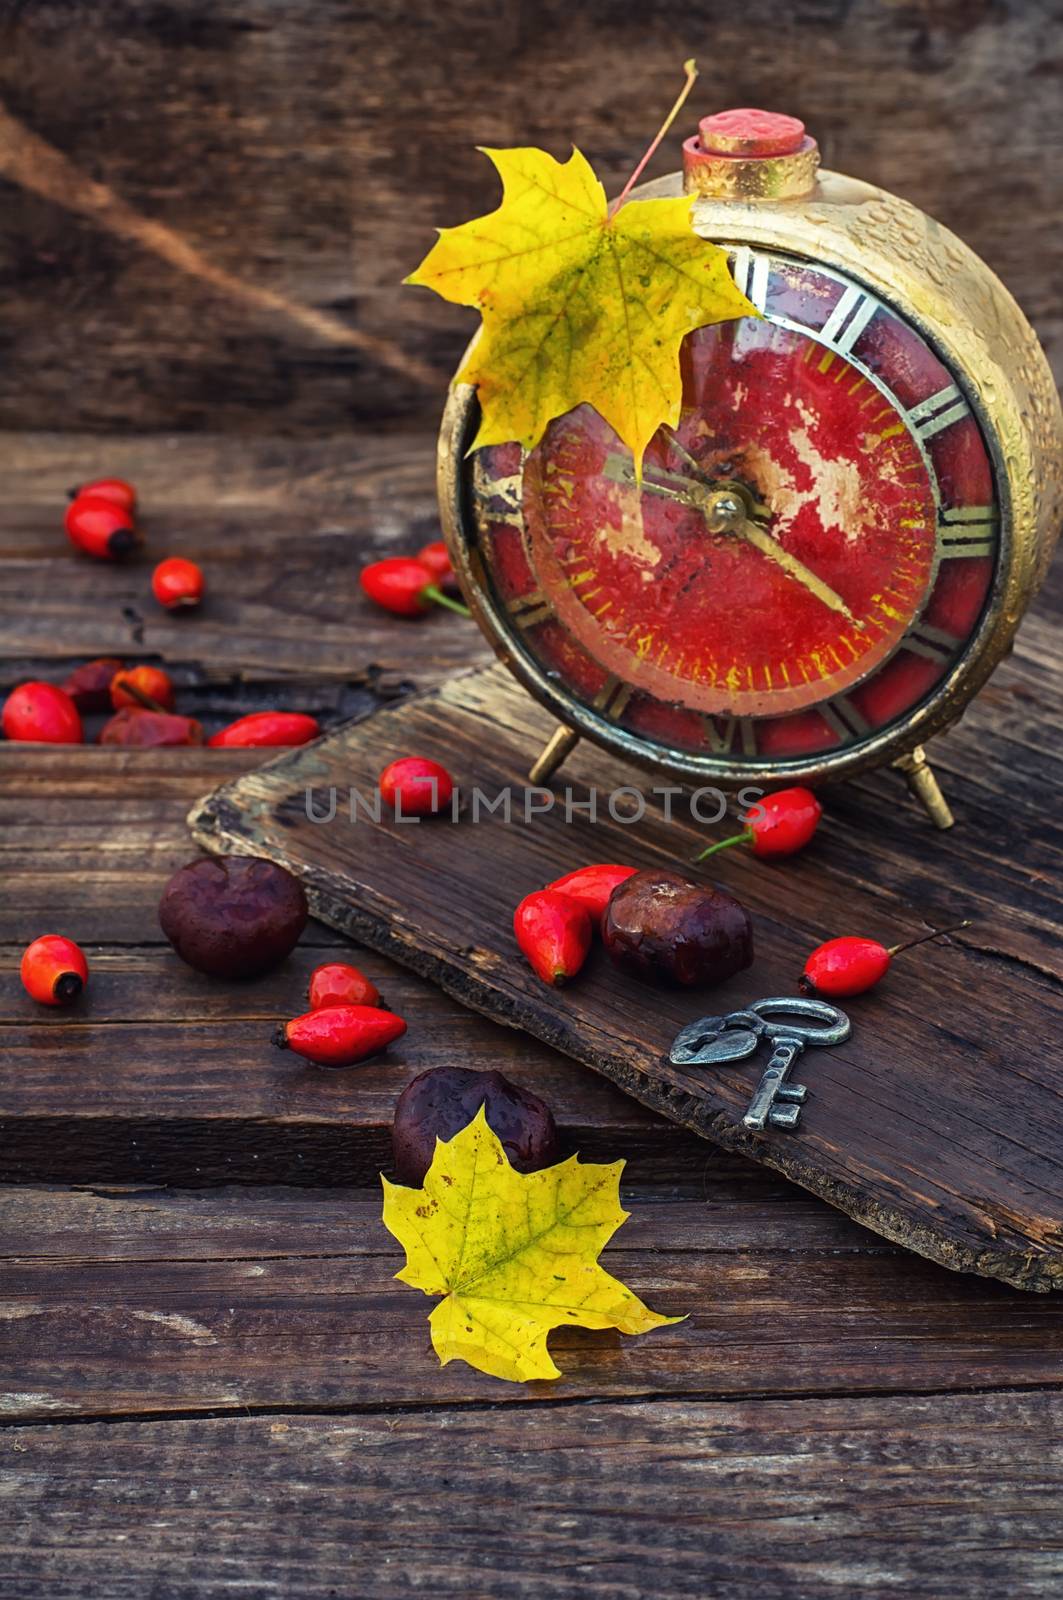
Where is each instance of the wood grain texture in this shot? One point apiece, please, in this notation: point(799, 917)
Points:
point(301, 157)
point(937, 1124)
point(938, 1498)
point(127, 1303)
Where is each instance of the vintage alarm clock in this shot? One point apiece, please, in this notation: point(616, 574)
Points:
point(831, 551)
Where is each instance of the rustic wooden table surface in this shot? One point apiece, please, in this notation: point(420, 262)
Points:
point(211, 1384)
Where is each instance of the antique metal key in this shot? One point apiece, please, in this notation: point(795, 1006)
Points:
point(714, 1040)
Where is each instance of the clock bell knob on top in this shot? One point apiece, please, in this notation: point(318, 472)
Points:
point(830, 552)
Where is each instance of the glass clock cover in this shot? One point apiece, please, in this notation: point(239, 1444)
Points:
point(807, 556)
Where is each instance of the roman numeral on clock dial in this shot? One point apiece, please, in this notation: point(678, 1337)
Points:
point(849, 319)
point(841, 715)
point(528, 610)
point(751, 276)
point(724, 733)
point(938, 411)
point(612, 698)
point(934, 643)
point(487, 491)
point(968, 531)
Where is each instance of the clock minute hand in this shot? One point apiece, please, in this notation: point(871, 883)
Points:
point(703, 490)
point(761, 540)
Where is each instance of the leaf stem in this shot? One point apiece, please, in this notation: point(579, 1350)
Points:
point(690, 68)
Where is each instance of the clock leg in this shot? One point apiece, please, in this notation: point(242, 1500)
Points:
point(557, 748)
point(919, 776)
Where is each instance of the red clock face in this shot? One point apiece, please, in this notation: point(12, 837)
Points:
point(809, 550)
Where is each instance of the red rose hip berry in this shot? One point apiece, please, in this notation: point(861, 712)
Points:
point(337, 983)
point(852, 964)
point(40, 713)
point(592, 886)
point(436, 557)
point(147, 687)
point(116, 490)
point(100, 528)
point(150, 730)
point(53, 970)
point(89, 686)
point(845, 966)
point(177, 582)
point(406, 587)
point(261, 729)
point(414, 786)
point(340, 1036)
point(554, 932)
point(778, 825)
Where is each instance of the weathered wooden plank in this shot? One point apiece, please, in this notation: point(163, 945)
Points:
point(126, 1303)
point(940, 1498)
point(282, 531)
point(163, 1075)
point(938, 1123)
point(739, 1212)
point(348, 473)
point(314, 206)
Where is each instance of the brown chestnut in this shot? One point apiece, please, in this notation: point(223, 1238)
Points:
point(660, 926)
point(234, 916)
point(442, 1101)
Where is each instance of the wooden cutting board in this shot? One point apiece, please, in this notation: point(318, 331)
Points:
point(939, 1124)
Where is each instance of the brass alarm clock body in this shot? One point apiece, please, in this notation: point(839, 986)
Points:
point(829, 554)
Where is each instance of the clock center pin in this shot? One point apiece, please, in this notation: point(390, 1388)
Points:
point(725, 512)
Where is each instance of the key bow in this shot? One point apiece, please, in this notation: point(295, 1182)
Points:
point(711, 1041)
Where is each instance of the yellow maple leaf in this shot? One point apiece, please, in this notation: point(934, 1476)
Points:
point(578, 305)
point(513, 1253)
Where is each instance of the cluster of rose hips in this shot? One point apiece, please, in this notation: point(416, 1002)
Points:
point(346, 1022)
point(659, 926)
point(340, 1029)
point(236, 917)
point(409, 586)
point(101, 521)
point(142, 701)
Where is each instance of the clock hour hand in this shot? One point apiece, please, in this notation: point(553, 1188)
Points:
point(618, 469)
point(669, 494)
point(702, 476)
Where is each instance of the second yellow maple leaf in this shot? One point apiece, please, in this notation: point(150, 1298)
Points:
point(513, 1254)
point(578, 306)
